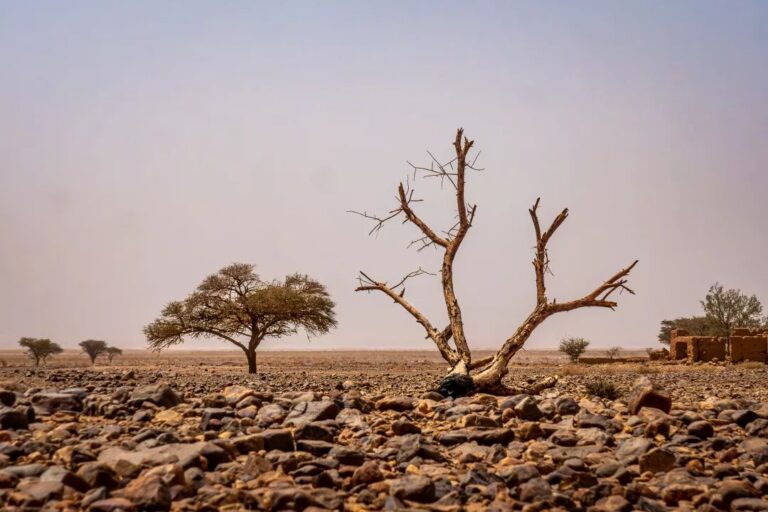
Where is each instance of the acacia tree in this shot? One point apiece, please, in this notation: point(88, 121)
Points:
point(111, 352)
point(484, 374)
point(39, 349)
point(695, 325)
point(236, 306)
point(93, 348)
point(727, 309)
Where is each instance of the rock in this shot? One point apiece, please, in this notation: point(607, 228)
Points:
point(7, 398)
point(647, 394)
point(528, 410)
point(97, 474)
point(744, 417)
point(614, 503)
point(657, 460)
point(396, 403)
point(402, 427)
point(278, 439)
point(158, 394)
point(566, 406)
point(307, 412)
point(13, 419)
point(271, 413)
point(184, 453)
point(535, 489)
point(756, 449)
point(41, 492)
point(631, 449)
point(112, 505)
point(65, 477)
point(367, 474)
point(169, 417)
point(518, 474)
point(587, 420)
point(415, 488)
point(347, 456)
point(701, 429)
point(455, 386)
point(731, 490)
point(149, 493)
point(46, 404)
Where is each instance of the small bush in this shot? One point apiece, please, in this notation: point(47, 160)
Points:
point(613, 352)
point(603, 389)
point(750, 365)
point(573, 347)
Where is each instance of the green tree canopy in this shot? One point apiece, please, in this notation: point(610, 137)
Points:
point(93, 348)
point(39, 349)
point(695, 325)
point(236, 306)
point(111, 352)
point(573, 348)
point(727, 309)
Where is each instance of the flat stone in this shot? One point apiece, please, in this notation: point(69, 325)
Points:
point(307, 412)
point(415, 488)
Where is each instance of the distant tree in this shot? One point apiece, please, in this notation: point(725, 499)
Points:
point(93, 348)
point(39, 349)
point(695, 325)
point(111, 352)
point(573, 347)
point(236, 306)
point(613, 352)
point(727, 309)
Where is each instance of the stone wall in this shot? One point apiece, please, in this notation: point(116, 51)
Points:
point(749, 345)
point(745, 345)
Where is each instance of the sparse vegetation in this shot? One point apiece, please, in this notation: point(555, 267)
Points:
point(236, 306)
point(613, 352)
point(39, 349)
point(603, 389)
point(573, 348)
point(93, 348)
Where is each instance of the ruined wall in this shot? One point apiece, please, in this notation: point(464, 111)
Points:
point(749, 348)
point(745, 345)
point(707, 348)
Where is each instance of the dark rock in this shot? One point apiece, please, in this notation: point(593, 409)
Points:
point(46, 404)
point(535, 489)
point(13, 419)
point(518, 474)
point(307, 412)
point(158, 394)
point(278, 439)
point(528, 410)
point(566, 406)
point(455, 386)
point(402, 427)
point(7, 398)
point(415, 488)
point(701, 429)
point(744, 417)
point(347, 456)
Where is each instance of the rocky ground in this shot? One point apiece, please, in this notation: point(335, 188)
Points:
point(350, 438)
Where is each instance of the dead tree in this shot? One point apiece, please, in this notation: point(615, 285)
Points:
point(484, 374)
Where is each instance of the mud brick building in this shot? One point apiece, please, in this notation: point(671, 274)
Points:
point(744, 345)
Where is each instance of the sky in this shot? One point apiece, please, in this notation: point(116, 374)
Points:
point(145, 145)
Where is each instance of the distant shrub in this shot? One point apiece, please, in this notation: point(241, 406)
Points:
point(613, 352)
point(603, 389)
point(573, 347)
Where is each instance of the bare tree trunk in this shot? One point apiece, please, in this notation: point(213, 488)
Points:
point(251, 355)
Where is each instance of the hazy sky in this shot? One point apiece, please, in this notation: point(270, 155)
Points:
point(144, 145)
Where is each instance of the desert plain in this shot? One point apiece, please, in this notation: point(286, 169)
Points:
point(365, 430)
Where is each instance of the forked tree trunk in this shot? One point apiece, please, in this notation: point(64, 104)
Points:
point(467, 375)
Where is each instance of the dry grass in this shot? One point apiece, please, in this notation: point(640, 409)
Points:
point(750, 365)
